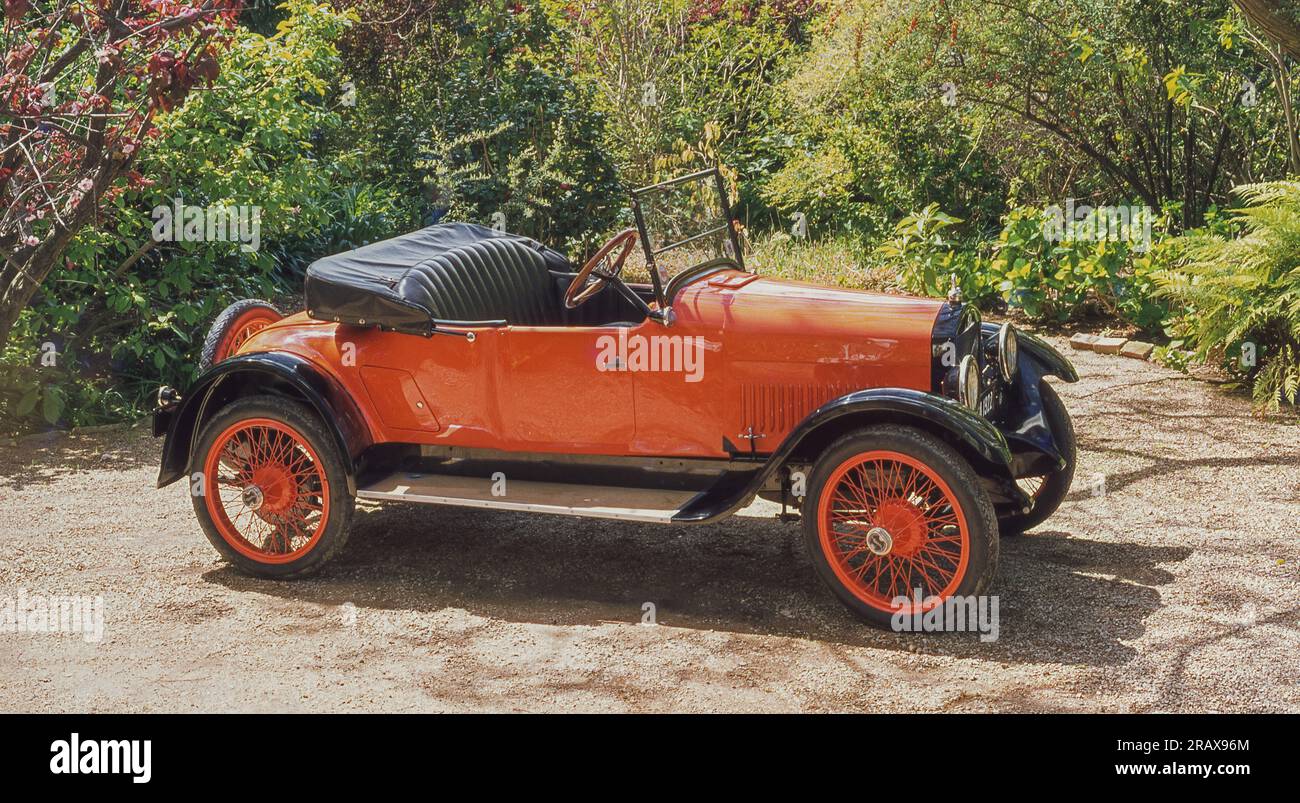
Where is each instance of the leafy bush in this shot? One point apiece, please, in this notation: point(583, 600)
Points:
point(465, 108)
point(1239, 295)
point(1059, 280)
point(1029, 268)
point(862, 136)
point(927, 262)
point(130, 311)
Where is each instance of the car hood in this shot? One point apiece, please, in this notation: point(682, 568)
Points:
point(746, 301)
point(850, 334)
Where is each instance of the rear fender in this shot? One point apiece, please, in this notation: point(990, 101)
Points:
point(275, 373)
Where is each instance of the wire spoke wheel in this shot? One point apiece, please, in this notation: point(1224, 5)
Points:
point(890, 527)
point(266, 490)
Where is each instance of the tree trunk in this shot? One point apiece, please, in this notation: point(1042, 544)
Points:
point(19, 280)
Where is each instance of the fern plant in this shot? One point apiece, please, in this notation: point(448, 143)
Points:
point(1240, 294)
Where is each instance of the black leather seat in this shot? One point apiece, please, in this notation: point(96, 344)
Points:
point(489, 280)
point(453, 272)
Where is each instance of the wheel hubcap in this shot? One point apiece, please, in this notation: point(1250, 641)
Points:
point(879, 541)
point(253, 497)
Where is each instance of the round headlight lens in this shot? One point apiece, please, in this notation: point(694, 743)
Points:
point(968, 382)
point(1008, 352)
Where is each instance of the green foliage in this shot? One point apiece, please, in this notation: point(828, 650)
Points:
point(841, 262)
point(1238, 292)
point(1053, 277)
point(128, 311)
point(865, 135)
point(928, 262)
point(1032, 267)
point(469, 111)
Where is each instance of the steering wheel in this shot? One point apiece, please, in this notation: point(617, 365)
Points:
point(583, 288)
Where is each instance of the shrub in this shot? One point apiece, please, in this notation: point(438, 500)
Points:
point(465, 108)
point(1028, 268)
point(128, 311)
point(1063, 279)
point(1239, 294)
point(927, 262)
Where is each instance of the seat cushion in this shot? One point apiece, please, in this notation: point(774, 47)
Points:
point(449, 272)
point(490, 280)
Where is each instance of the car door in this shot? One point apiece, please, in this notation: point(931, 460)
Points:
point(559, 390)
point(679, 379)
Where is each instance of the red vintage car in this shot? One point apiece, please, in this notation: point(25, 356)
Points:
point(461, 365)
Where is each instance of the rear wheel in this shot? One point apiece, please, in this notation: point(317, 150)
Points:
point(236, 324)
point(896, 522)
point(274, 496)
point(1047, 491)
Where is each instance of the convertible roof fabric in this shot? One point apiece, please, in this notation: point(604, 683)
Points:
point(407, 282)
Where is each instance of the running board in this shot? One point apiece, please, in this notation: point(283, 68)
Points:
point(565, 499)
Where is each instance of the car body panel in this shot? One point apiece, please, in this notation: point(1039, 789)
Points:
point(747, 368)
point(865, 406)
point(751, 357)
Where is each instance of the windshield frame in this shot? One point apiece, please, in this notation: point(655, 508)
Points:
point(651, 252)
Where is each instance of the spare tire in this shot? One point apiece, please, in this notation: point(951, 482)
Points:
point(236, 323)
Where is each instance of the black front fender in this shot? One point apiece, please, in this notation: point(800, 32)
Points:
point(276, 373)
point(1033, 444)
point(979, 438)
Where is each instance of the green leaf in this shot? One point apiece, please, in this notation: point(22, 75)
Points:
point(28, 402)
point(52, 407)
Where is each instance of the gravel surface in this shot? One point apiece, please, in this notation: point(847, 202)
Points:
point(1174, 590)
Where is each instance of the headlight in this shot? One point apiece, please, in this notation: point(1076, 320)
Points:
point(968, 382)
point(1008, 352)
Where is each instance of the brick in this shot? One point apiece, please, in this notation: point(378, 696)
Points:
point(1082, 341)
point(1137, 349)
point(1109, 345)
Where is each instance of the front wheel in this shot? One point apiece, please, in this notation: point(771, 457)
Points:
point(896, 522)
point(272, 495)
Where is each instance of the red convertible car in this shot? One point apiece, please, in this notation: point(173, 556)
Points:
point(461, 365)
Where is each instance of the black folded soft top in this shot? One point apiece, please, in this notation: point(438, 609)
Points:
point(407, 282)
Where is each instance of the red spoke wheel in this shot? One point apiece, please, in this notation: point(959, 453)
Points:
point(273, 497)
point(897, 522)
point(266, 491)
point(233, 327)
point(892, 528)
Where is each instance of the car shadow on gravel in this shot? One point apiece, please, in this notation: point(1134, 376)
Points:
point(46, 458)
point(1061, 599)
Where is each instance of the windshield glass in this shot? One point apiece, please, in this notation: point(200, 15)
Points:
point(685, 223)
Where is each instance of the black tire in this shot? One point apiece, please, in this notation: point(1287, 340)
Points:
point(1056, 485)
point(222, 326)
point(306, 423)
point(944, 461)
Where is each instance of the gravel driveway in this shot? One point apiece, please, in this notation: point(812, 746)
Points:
point(1175, 589)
